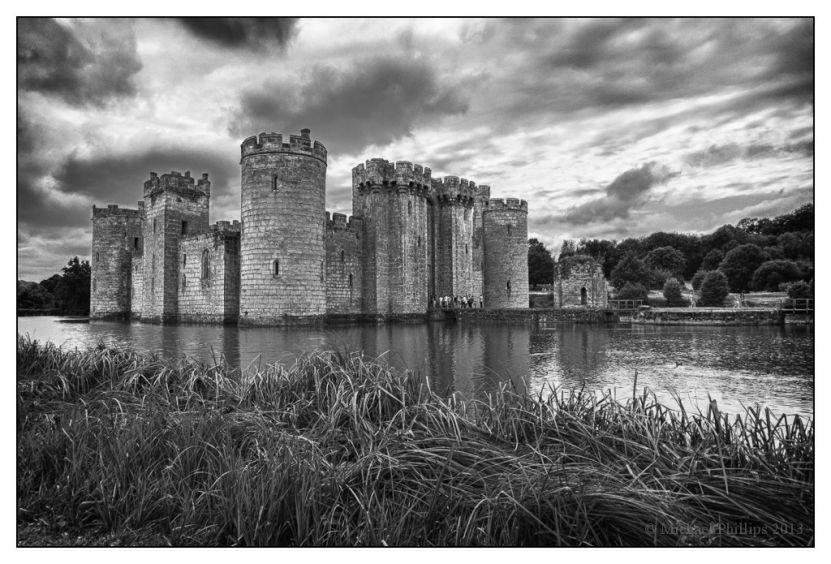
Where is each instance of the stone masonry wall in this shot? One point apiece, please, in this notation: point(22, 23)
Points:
point(506, 254)
point(344, 258)
point(588, 276)
point(175, 205)
point(283, 216)
point(391, 198)
point(113, 232)
point(209, 275)
point(481, 197)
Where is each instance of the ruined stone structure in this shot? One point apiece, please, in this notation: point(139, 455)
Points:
point(411, 238)
point(579, 281)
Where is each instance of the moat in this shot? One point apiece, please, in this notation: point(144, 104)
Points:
point(737, 366)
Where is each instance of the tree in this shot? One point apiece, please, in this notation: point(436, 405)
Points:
point(72, 290)
point(567, 249)
point(712, 260)
point(602, 250)
point(540, 263)
point(632, 291)
point(698, 279)
point(773, 273)
point(657, 277)
point(672, 291)
point(666, 258)
point(630, 269)
point(740, 264)
point(31, 295)
point(800, 289)
point(714, 289)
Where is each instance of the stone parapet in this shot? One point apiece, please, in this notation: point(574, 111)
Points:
point(273, 143)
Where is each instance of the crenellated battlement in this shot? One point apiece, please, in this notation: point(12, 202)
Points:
point(274, 143)
point(112, 210)
point(340, 222)
point(513, 204)
point(482, 192)
point(454, 189)
point(381, 172)
point(175, 180)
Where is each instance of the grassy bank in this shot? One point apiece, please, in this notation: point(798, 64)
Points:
point(116, 447)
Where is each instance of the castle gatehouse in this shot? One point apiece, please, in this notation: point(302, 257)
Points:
point(412, 240)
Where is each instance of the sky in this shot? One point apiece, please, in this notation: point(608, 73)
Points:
point(609, 128)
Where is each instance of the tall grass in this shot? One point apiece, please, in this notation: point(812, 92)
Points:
point(337, 450)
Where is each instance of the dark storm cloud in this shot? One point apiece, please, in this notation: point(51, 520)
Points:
point(569, 66)
point(120, 178)
point(52, 59)
point(376, 102)
point(716, 155)
point(624, 193)
point(243, 32)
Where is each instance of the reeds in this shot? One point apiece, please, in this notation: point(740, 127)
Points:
point(340, 451)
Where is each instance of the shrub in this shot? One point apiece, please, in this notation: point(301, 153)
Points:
point(801, 289)
point(630, 269)
point(740, 264)
point(672, 291)
point(714, 289)
point(773, 273)
point(698, 279)
point(632, 291)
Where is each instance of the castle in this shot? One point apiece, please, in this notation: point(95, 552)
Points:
point(411, 238)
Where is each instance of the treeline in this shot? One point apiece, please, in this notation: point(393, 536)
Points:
point(63, 294)
point(762, 254)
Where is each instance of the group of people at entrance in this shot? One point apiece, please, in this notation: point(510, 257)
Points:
point(455, 302)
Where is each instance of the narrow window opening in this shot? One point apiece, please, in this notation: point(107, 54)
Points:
point(342, 256)
point(350, 280)
point(206, 264)
point(509, 230)
point(275, 184)
point(136, 243)
point(419, 240)
point(97, 257)
point(184, 228)
point(184, 259)
point(409, 208)
point(275, 268)
point(184, 282)
point(154, 225)
point(509, 286)
point(467, 249)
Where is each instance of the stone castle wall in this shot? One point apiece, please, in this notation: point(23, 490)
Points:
point(288, 261)
point(506, 254)
point(209, 275)
point(344, 258)
point(174, 205)
point(282, 268)
point(114, 231)
point(583, 284)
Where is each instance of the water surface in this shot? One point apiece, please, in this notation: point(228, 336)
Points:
point(772, 366)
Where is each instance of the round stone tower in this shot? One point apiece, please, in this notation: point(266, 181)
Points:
point(282, 252)
point(505, 227)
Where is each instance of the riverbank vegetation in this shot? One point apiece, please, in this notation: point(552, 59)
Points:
point(61, 294)
point(756, 254)
point(116, 447)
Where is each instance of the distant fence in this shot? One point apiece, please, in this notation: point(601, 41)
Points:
point(797, 305)
point(625, 305)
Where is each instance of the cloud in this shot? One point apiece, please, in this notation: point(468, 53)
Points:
point(87, 62)
point(120, 178)
point(716, 155)
point(243, 32)
point(625, 192)
point(374, 102)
